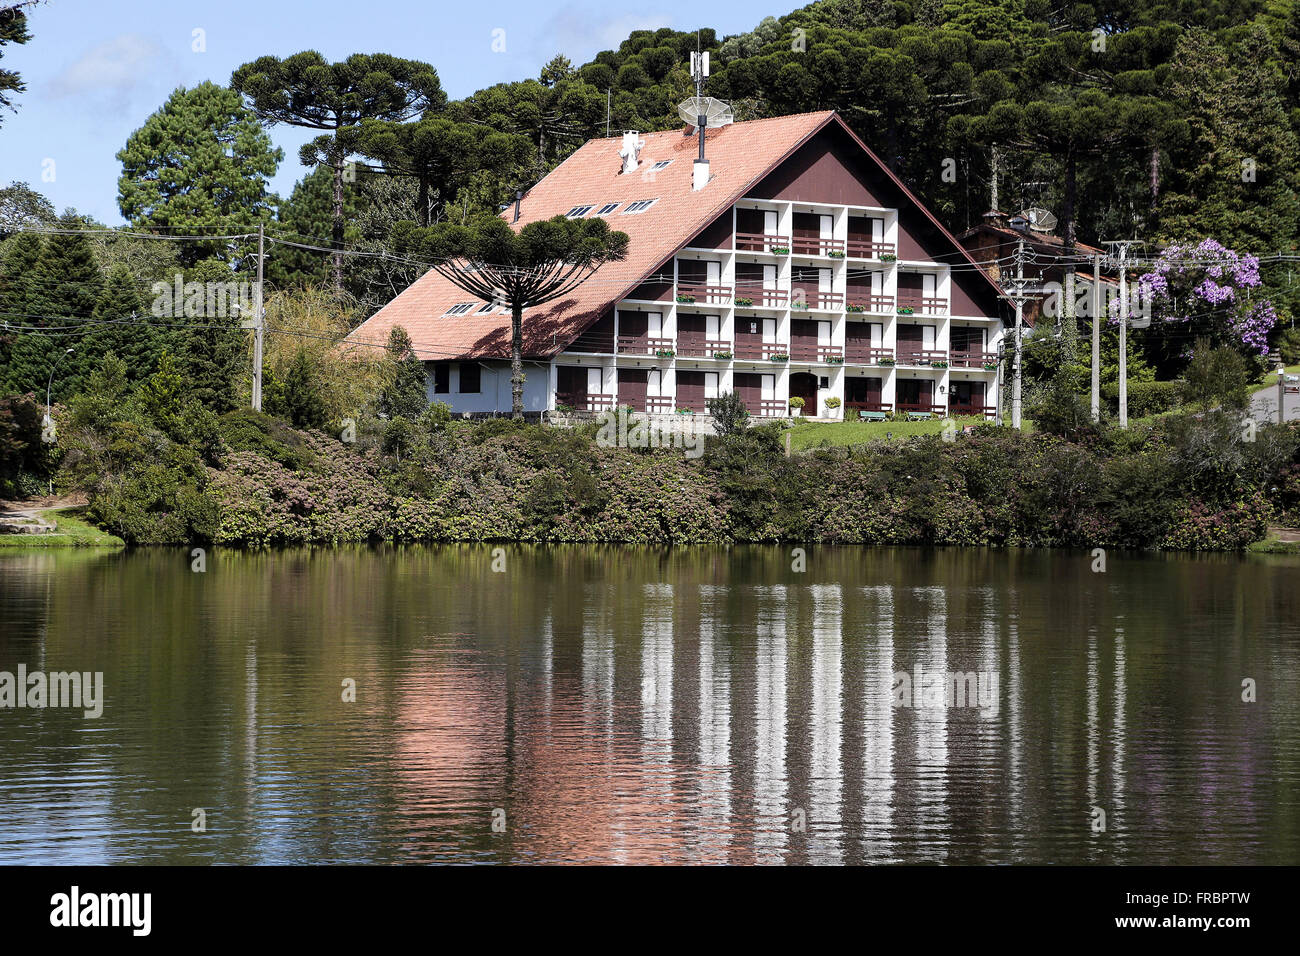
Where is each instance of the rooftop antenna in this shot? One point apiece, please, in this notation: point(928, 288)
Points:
point(702, 112)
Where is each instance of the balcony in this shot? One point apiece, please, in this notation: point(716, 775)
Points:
point(641, 345)
point(875, 304)
point(659, 404)
point(972, 358)
point(767, 408)
point(967, 408)
point(912, 356)
point(816, 300)
point(588, 402)
point(921, 305)
point(831, 354)
point(868, 355)
point(701, 348)
point(702, 294)
point(760, 351)
point(761, 242)
point(867, 249)
point(816, 246)
point(754, 295)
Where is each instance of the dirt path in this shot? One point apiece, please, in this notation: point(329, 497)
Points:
point(48, 503)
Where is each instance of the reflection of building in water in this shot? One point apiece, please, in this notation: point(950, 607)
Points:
point(771, 809)
point(931, 723)
point(713, 836)
point(826, 810)
point(878, 722)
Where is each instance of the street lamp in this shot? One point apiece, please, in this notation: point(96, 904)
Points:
point(50, 381)
point(47, 432)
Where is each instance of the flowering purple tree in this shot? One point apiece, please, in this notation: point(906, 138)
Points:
point(1206, 290)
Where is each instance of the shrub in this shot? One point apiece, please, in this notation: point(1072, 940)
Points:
point(1146, 398)
point(729, 413)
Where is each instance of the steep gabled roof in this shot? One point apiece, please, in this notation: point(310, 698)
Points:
point(740, 155)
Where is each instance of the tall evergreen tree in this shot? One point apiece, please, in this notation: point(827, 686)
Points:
point(308, 91)
point(18, 309)
point(130, 337)
point(199, 165)
point(210, 350)
point(66, 283)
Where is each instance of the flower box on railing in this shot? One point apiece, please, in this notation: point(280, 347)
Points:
point(725, 354)
point(685, 411)
point(888, 257)
point(744, 302)
point(835, 254)
point(664, 353)
point(939, 364)
point(885, 361)
point(854, 307)
point(835, 360)
point(686, 298)
point(780, 250)
point(905, 310)
point(990, 366)
point(780, 357)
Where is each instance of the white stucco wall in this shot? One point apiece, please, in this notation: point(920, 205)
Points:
point(494, 388)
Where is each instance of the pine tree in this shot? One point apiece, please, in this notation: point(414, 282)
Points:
point(17, 308)
point(131, 338)
point(407, 396)
point(210, 349)
point(66, 283)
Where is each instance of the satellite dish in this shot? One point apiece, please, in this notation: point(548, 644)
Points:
point(1040, 220)
point(715, 112)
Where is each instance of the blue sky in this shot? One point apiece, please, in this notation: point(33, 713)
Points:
point(96, 69)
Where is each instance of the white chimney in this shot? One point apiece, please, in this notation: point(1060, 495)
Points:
point(630, 149)
point(701, 175)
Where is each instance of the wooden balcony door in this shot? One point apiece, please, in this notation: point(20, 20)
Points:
point(914, 394)
point(805, 284)
point(633, 385)
point(694, 389)
point(914, 339)
point(756, 390)
point(806, 335)
point(967, 398)
point(695, 331)
point(752, 334)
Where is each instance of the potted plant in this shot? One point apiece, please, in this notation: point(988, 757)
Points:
point(744, 301)
point(781, 357)
point(855, 307)
point(682, 297)
point(888, 257)
point(832, 402)
point(664, 353)
point(940, 363)
point(904, 310)
point(886, 361)
point(836, 254)
point(835, 360)
point(724, 354)
point(990, 366)
point(685, 411)
point(780, 250)
point(796, 405)
point(562, 409)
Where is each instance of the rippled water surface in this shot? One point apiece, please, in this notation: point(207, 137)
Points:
point(608, 704)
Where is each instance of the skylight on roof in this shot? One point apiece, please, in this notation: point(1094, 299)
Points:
point(662, 164)
point(460, 308)
point(577, 212)
point(606, 209)
point(641, 205)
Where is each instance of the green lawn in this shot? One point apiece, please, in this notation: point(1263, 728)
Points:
point(810, 434)
point(73, 532)
point(1270, 377)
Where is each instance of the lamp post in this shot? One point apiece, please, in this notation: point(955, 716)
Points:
point(47, 433)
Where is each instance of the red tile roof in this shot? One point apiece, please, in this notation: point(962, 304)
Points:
point(740, 155)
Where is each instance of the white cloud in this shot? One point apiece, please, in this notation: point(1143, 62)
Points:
point(111, 71)
point(580, 32)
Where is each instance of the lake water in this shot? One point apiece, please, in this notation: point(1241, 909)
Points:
point(633, 705)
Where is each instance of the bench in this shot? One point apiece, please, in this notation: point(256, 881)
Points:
point(871, 416)
point(918, 416)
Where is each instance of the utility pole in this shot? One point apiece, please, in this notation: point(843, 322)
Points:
point(258, 324)
point(1018, 297)
point(1096, 338)
point(1281, 394)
